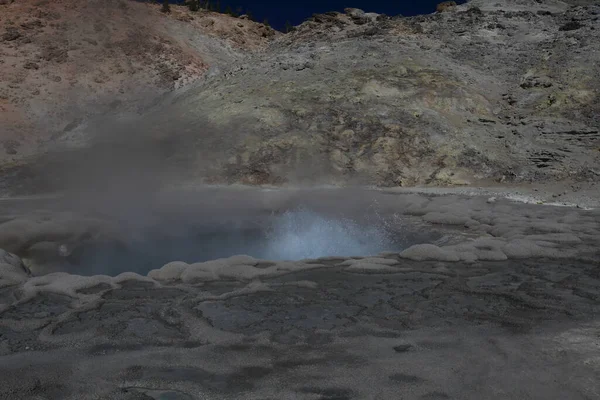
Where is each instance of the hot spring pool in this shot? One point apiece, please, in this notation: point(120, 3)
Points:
point(294, 234)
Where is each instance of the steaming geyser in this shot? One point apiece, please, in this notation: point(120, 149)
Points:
point(295, 234)
point(137, 235)
point(301, 234)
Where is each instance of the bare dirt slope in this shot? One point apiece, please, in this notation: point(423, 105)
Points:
point(66, 61)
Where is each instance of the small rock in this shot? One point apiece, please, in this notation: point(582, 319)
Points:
point(570, 26)
point(402, 348)
point(91, 41)
point(11, 34)
point(53, 53)
point(475, 11)
point(31, 65)
point(530, 81)
point(36, 23)
point(492, 200)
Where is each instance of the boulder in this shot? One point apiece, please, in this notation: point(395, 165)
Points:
point(14, 261)
point(446, 6)
point(360, 17)
point(12, 270)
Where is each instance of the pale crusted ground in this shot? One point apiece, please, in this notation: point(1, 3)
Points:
point(504, 304)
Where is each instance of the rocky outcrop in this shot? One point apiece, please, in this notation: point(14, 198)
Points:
point(12, 270)
point(445, 6)
point(448, 98)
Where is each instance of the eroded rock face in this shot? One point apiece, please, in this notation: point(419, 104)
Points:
point(483, 93)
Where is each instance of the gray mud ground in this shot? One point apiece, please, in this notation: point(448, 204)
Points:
point(505, 307)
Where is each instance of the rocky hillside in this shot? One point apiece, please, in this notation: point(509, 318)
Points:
point(489, 91)
point(64, 62)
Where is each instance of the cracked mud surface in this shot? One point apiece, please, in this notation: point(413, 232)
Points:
point(467, 318)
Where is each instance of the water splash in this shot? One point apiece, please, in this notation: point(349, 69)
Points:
point(301, 233)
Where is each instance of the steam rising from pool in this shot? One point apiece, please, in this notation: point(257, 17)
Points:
point(291, 235)
point(301, 234)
